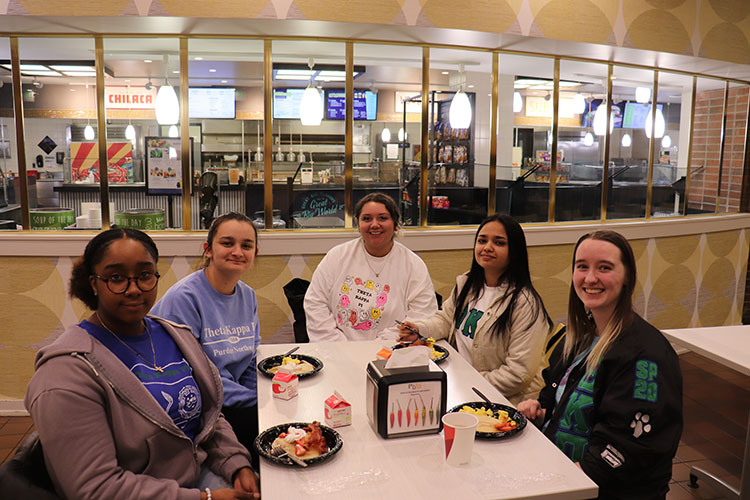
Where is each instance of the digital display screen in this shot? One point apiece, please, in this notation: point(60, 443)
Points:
point(365, 105)
point(286, 103)
point(635, 114)
point(587, 117)
point(211, 103)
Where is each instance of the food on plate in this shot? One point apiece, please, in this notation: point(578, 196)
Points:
point(430, 342)
point(489, 421)
point(305, 443)
point(295, 365)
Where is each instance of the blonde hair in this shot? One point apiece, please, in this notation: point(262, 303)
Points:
point(581, 326)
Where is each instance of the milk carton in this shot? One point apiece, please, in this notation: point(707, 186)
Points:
point(338, 411)
point(284, 384)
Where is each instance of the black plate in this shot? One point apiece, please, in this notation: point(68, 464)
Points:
point(266, 364)
point(265, 438)
point(495, 407)
point(437, 348)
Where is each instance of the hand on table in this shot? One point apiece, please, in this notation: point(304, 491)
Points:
point(406, 335)
point(532, 410)
point(246, 480)
point(229, 494)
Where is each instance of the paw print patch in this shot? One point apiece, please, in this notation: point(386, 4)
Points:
point(640, 424)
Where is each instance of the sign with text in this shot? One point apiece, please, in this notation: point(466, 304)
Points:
point(539, 107)
point(319, 204)
point(129, 97)
point(163, 165)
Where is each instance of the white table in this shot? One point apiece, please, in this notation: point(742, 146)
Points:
point(370, 467)
point(729, 346)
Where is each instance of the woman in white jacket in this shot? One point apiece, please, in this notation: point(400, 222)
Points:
point(494, 317)
point(362, 286)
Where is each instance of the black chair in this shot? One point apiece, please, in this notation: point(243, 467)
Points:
point(295, 295)
point(25, 475)
point(208, 184)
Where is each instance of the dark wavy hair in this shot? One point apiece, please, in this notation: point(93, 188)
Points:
point(516, 276)
point(215, 227)
point(83, 268)
point(387, 202)
point(581, 326)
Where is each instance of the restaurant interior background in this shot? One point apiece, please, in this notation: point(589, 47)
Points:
point(676, 193)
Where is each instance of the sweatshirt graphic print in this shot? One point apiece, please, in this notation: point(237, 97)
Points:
point(361, 303)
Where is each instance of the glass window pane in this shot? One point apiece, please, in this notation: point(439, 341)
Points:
point(582, 128)
point(60, 131)
point(733, 156)
point(387, 149)
point(524, 136)
point(632, 92)
point(460, 152)
point(308, 193)
point(10, 201)
point(142, 103)
point(226, 127)
point(671, 147)
point(706, 153)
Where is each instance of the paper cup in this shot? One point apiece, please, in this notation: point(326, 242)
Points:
point(458, 431)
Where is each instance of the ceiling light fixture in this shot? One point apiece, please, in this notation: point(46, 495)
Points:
point(642, 94)
point(600, 119)
point(167, 106)
point(459, 114)
point(626, 140)
point(386, 135)
point(129, 130)
point(659, 124)
point(517, 102)
point(88, 131)
point(173, 131)
point(588, 139)
point(401, 135)
point(311, 104)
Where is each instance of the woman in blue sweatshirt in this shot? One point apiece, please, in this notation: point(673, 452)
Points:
point(222, 312)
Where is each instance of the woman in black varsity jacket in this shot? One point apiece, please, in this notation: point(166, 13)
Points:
point(613, 395)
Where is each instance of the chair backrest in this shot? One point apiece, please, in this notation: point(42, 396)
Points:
point(25, 475)
point(553, 339)
point(295, 295)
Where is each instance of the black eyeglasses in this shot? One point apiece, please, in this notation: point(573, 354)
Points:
point(117, 283)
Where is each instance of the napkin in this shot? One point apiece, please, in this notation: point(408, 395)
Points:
point(409, 356)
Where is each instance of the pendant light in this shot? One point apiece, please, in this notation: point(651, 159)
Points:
point(311, 105)
point(167, 106)
point(588, 139)
point(579, 104)
point(600, 119)
point(459, 115)
point(666, 141)
point(626, 140)
point(658, 126)
point(88, 131)
point(173, 131)
point(401, 135)
point(386, 135)
point(642, 94)
point(129, 130)
point(517, 102)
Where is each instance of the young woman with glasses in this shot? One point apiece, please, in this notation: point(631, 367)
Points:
point(222, 311)
point(127, 405)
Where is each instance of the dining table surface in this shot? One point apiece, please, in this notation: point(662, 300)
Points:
point(728, 346)
point(526, 465)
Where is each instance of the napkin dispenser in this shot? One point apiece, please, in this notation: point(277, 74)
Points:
point(405, 401)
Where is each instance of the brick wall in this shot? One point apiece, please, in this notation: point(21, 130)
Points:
point(709, 108)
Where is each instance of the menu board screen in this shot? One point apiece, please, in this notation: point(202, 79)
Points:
point(365, 105)
point(211, 103)
point(286, 103)
point(635, 114)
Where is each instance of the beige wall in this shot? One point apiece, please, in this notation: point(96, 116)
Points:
point(684, 280)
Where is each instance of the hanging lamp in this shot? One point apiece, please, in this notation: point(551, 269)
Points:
point(385, 136)
point(311, 105)
point(626, 140)
point(517, 102)
point(459, 115)
point(579, 104)
point(167, 106)
point(129, 130)
point(173, 131)
point(600, 119)
point(642, 94)
point(588, 139)
point(658, 125)
point(88, 131)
